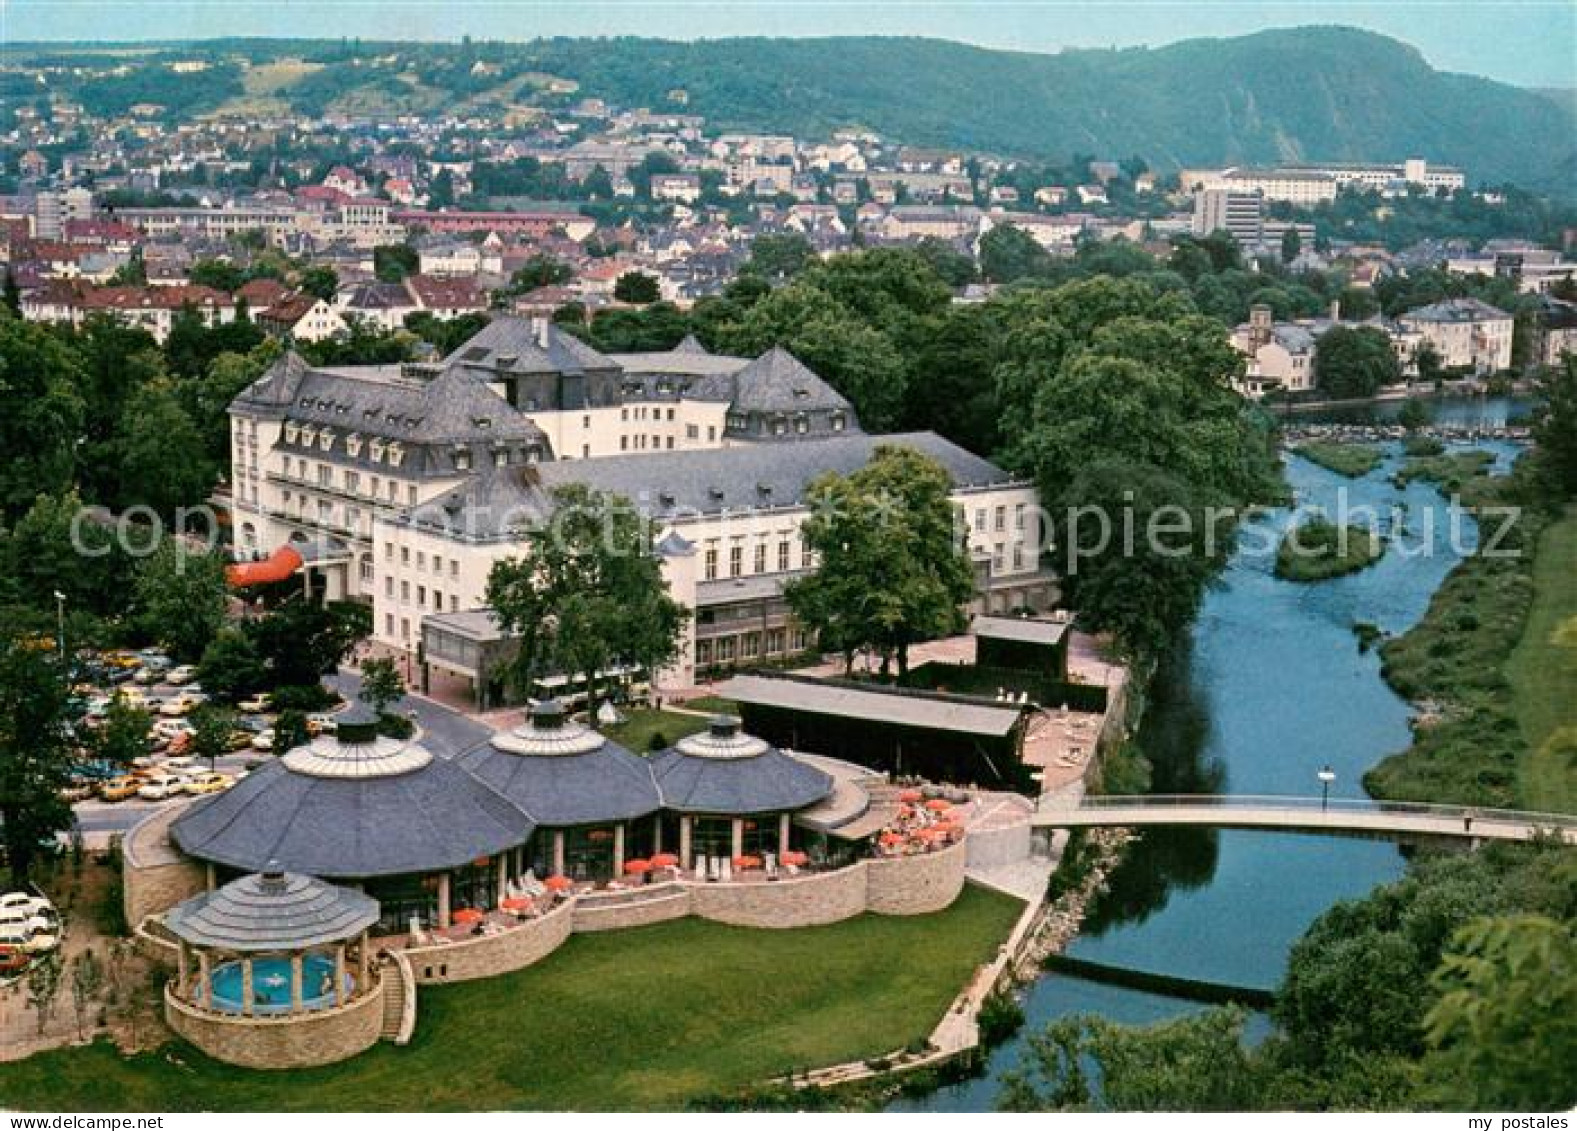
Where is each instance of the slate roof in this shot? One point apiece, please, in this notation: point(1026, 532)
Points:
point(567, 775)
point(777, 381)
point(733, 774)
point(435, 817)
point(1456, 310)
point(516, 345)
point(276, 911)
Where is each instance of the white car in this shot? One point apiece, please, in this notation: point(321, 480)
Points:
point(21, 900)
point(169, 728)
point(27, 939)
point(255, 705)
point(263, 739)
point(162, 787)
point(181, 676)
point(180, 764)
point(182, 704)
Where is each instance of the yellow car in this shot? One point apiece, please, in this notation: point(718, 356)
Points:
point(208, 783)
point(119, 789)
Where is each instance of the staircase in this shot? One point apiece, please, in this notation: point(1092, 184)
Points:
point(399, 999)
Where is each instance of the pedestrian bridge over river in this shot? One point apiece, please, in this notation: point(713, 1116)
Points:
point(1398, 820)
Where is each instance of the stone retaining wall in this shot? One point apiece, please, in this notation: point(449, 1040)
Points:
point(916, 885)
point(155, 874)
point(486, 956)
point(804, 901)
point(611, 916)
point(324, 1037)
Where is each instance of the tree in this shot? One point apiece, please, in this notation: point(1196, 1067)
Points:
point(123, 735)
point(43, 987)
point(87, 980)
point(302, 641)
point(892, 570)
point(319, 281)
point(11, 295)
point(1503, 1035)
point(1555, 426)
point(207, 396)
point(180, 597)
point(216, 273)
point(41, 414)
point(1354, 362)
point(212, 726)
point(160, 454)
point(779, 257)
point(380, 683)
point(1009, 253)
point(36, 755)
point(952, 266)
point(59, 546)
point(391, 263)
point(290, 731)
point(636, 287)
point(586, 593)
point(539, 271)
point(231, 668)
point(1431, 371)
point(1136, 547)
point(1414, 414)
point(1194, 1063)
point(1291, 245)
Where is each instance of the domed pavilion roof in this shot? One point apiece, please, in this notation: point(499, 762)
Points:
point(272, 911)
point(726, 771)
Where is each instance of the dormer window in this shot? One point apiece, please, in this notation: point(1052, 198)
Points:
point(309, 435)
point(501, 457)
point(396, 454)
point(462, 459)
point(375, 449)
point(353, 444)
point(837, 422)
point(292, 430)
point(802, 424)
point(779, 425)
point(326, 439)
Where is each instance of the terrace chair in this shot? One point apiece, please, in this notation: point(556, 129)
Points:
point(726, 867)
point(769, 861)
point(791, 869)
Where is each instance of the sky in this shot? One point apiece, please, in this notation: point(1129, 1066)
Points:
point(1527, 42)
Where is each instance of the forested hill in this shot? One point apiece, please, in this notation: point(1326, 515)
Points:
point(1318, 93)
point(1314, 93)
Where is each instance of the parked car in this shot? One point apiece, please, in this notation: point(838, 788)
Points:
point(76, 791)
point(208, 783)
point(169, 728)
point(120, 789)
point(13, 960)
point(321, 724)
point(181, 764)
point(161, 787)
point(256, 705)
point(263, 740)
point(181, 676)
point(239, 739)
point(13, 902)
point(16, 936)
point(182, 704)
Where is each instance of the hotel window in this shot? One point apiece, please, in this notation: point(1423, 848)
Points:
point(405, 591)
point(405, 555)
point(624, 443)
point(998, 557)
point(807, 558)
point(326, 440)
point(410, 494)
point(388, 585)
point(352, 482)
point(1001, 519)
point(454, 602)
point(1018, 516)
point(692, 432)
point(421, 595)
point(710, 571)
point(353, 444)
point(438, 564)
point(703, 653)
point(325, 475)
point(711, 432)
point(375, 449)
point(388, 624)
point(624, 414)
point(462, 460)
point(736, 560)
point(761, 557)
point(393, 486)
point(421, 559)
point(388, 551)
point(405, 628)
point(454, 568)
point(783, 556)
point(377, 486)
point(287, 467)
point(1018, 555)
point(725, 649)
point(774, 641)
point(670, 444)
point(585, 422)
point(980, 519)
point(749, 644)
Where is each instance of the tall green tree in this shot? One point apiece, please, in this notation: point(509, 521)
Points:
point(892, 568)
point(36, 750)
point(1555, 427)
point(1008, 253)
point(1354, 362)
point(380, 683)
point(636, 287)
point(586, 593)
point(123, 735)
point(231, 667)
point(179, 597)
point(41, 414)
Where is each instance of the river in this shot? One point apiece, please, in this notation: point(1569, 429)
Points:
point(1269, 688)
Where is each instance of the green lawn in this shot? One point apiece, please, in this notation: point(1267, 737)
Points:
point(641, 723)
point(714, 705)
point(1351, 460)
point(642, 1019)
point(1543, 674)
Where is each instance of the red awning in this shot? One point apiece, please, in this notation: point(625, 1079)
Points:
point(279, 565)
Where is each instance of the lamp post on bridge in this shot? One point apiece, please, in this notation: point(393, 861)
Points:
point(1326, 776)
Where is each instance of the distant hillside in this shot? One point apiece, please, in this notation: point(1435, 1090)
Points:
point(1315, 93)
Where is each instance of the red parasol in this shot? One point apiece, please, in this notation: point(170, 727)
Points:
point(665, 860)
point(467, 915)
point(891, 838)
point(516, 903)
point(938, 805)
point(747, 861)
point(909, 796)
point(558, 883)
point(637, 867)
point(795, 858)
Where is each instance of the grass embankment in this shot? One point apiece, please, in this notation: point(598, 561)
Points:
point(1490, 665)
point(648, 1019)
point(1351, 460)
point(1318, 549)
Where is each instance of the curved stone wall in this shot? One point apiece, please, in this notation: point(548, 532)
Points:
point(804, 901)
point(485, 956)
point(916, 885)
point(323, 1037)
point(155, 874)
point(659, 905)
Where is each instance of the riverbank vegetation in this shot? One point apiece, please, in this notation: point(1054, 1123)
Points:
point(1450, 989)
point(1450, 471)
point(1318, 549)
point(1351, 460)
point(652, 1018)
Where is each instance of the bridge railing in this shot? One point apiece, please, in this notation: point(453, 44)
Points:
point(1310, 804)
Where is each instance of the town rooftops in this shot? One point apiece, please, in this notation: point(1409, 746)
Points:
point(1457, 310)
